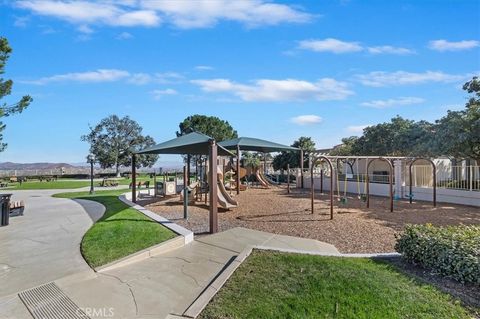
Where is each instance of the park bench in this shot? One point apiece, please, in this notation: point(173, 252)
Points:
point(47, 178)
point(108, 183)
point(146, 184)
point(17, 208)
point(3, 184)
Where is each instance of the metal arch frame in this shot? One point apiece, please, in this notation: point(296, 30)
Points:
point(315, 160)
point(434, 175)
point(390, 166)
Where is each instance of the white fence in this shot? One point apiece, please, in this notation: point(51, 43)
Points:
point(452, 177)
point(464, 193)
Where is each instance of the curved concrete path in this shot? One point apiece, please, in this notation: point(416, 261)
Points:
point(44, 244)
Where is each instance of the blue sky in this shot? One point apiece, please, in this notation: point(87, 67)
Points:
point(274, 70)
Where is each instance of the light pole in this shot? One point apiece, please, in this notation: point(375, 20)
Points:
point(91, 160)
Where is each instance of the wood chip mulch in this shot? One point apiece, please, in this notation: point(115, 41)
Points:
point(354, 229)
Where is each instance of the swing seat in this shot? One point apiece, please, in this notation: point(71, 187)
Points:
point(363, 198)
point(343, 200)
point(409, 196)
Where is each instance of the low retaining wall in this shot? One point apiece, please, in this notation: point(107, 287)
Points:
point(453, 196)
point(185, 233)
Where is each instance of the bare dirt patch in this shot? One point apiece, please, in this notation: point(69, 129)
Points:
point(354, 229)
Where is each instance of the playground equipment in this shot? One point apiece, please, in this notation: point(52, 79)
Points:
point(224, 199)
point(314, 161)
point(390, 179)
point(260, 179)
point(434, 177)
point(236, 178)
point(341, 199)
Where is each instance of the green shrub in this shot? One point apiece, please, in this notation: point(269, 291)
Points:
point(452, 251)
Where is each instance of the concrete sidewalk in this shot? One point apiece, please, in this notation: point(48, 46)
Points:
point(170, 283)
point(44, 246)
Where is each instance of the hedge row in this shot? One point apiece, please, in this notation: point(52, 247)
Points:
point(452, 251)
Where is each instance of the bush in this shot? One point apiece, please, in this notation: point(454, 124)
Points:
point(452, 251)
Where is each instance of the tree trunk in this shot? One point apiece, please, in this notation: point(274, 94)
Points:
point(117, 170)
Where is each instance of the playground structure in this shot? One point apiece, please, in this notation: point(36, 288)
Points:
point(214, 181)
point(199, 144)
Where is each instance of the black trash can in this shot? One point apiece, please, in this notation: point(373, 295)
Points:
point(5, 209)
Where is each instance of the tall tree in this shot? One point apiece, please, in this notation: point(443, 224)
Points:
point(458, 133)
point(6, 89)
point(399, 137)
point(346, 148)
point(281, 160)
point(251, 160)
point(113, 140)
point(212, 126)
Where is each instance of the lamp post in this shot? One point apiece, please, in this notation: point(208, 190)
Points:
point(91, 160)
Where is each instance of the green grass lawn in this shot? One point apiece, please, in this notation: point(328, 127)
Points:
point(120, 232)
point(71, 184)
point(58, 184)
point(280, 285)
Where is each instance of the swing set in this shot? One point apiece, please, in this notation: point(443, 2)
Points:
point(361, 195)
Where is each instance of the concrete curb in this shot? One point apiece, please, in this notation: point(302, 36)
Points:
point(194, 310)
point(185, 237)
point(158, 249)
point(185, 233)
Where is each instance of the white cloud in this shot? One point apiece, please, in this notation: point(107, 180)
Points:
point(182, 14)
point(124, 36)
point(100, 75)
point(168, 77)
point(380, 78)
point(140, 78)
point(85, 29)
point(159, 78)
point(444, 45)
point(203, 68)
point(338, 46)
point(357, 129)
point(306, 119)
point(21, 22)
point(279, 90)
point(388, 49)
point(206, 13)
point(330, 45)
point(137, 18)
point(157, 94)
point(381, 104)
point(89, 12)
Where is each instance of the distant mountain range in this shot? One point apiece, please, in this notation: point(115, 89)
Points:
point(31, 166)
point(166, 165)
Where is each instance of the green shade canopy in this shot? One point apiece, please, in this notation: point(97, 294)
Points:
point(256, 145)
point(193, 143)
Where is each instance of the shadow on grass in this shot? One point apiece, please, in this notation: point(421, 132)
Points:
point(469, 294)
